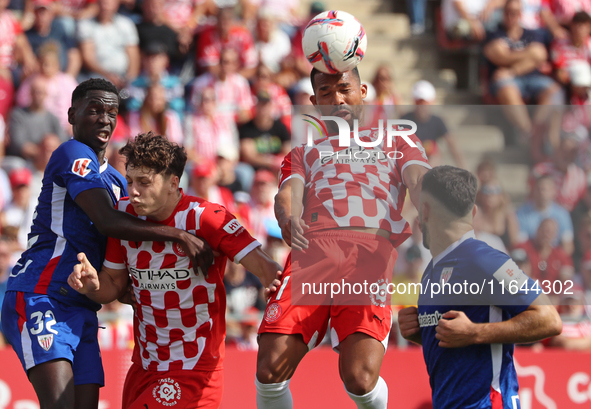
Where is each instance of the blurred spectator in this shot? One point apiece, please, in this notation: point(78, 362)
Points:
point(28, 126)
point(116, 323)
point(515, 55)
point(154, 64)
point(5, 268)
point(564, 10)
point(299, 62)
point(71, 11)
point(59, 85)
point(47, 29)
point(470, 19)
point(576, 116)
point(486, 172)
point(264, 141)
point(109, 45)
point(538, 16)
point(284, 12)
point(154, 29)
point(519, 256)
point(430, 127)
point(203, 184)
point(260, 207)
point(576, 47)
point(280, 101)
point(302, 105)
point(415, 240)
point(271, 43)
point(14, 47)
point(569, 178)
point(156, 116)
point(48, 144)
point(249, 322)
point(582, 255)
point(382, 83)
point(232, 92)
point(417, 11)
point(19, 212)
point(207, 130)
point(227, 161)
point(548, 261)
point(541, 206)
point(576, 324)
point(243, 290)
point(226, 34)
point(496, 214)
point(276, 246)
point(184, 15)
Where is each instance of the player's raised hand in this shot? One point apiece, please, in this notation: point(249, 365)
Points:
point(292, 229)
point(84, 278)
point(455, 330)
point(408, 322)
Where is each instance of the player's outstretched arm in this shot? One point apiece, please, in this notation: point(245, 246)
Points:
point(413, 178)
point(539, 321)
point(264, 267)
point(103, 287)
point(408, 323)
point(97, 205)
point(288, 211)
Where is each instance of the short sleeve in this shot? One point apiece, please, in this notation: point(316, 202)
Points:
point(77, 169)
point(85, 30)
point(115, 257)
point(129, 31)
point(224, 232)
point(411, 155)
point(297, 165)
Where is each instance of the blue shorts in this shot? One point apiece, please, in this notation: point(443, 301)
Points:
point(41, 329)
point(530, 85)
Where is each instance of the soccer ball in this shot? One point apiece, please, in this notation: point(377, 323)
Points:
point(334, 41)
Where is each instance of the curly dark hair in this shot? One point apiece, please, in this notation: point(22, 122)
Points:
point(155, 152)
point(455, 188)
point(93, 84)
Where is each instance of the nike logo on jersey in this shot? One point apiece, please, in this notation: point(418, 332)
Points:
point(80, 167)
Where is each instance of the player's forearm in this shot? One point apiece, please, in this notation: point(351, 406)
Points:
point(529, 326)
point(261, 265)
point(413, 178)
point(107, 292)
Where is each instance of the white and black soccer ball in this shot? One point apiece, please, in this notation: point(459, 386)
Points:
point(334, 41)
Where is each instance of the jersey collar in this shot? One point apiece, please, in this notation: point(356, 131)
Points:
point(453, 246)
point(104, 166)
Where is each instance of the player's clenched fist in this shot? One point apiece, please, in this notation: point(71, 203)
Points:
point(84, 278)
point(408, 322)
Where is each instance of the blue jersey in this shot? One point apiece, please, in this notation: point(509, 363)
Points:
point(477, 376)
point(61, 229)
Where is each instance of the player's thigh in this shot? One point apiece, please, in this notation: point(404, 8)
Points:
point(278, 356)
point(179, 389)
point(360, 360)
point(53, 382)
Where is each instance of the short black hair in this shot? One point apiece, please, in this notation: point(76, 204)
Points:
point(455, 188)
point(581, 17)
point(315, 72)
point(93, 84)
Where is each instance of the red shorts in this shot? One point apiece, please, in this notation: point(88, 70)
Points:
point(172, 389)
point(345, 253)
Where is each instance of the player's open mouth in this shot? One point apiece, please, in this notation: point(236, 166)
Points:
point(104, 136)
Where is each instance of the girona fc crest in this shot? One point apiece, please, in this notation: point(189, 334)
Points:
point(178, 250)
point(45, 341)
point(167, 392)
point(273, 312)
point(378, 292)
point(80, 167)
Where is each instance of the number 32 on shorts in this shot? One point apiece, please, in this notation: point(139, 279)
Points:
point(39, 324)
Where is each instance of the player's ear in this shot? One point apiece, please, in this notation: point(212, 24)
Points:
point(313, 99)
point(363, 91)
point(474, 211)
point(71, 112)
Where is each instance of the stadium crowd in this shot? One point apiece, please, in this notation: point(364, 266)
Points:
point(220, 77)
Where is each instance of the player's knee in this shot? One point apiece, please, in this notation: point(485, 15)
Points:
point(359, 382)
point(269, 373)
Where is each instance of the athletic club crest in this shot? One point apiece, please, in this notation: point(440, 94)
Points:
point(45, 341)
point(167, 392)
point(446, 275)
point(273, 312)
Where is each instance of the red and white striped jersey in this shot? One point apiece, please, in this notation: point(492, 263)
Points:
point(564, 53)
point(564, 10)
point(180, 318)
point(571, 186)
point(10, 28)
point(344, 192)
point(179, 12)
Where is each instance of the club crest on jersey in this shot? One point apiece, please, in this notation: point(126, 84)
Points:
point(446, 275)
point(116, 191)
point(178, 250)
point(273, 312)
point(80, 167)
point(45, 341)
point(167, 392)
point(378, 297)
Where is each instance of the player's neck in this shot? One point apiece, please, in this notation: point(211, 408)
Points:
point(441, 238)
